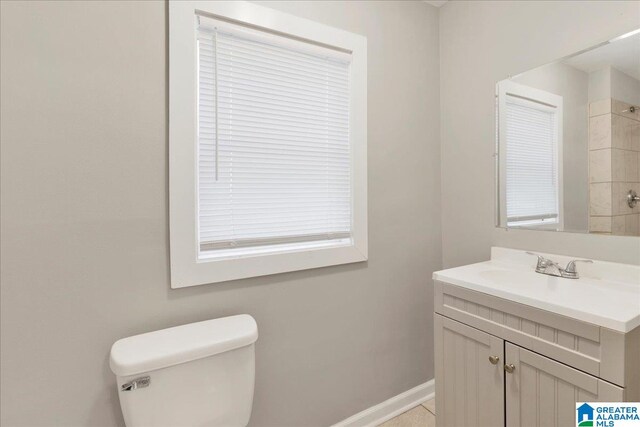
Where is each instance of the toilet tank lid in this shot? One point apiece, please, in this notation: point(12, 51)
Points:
point(167, 347)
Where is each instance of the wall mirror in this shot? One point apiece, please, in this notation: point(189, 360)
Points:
point(568, 143)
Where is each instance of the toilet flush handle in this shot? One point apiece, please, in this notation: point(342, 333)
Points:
point(139, 382)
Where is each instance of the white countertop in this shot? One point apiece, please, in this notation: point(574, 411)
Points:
point(607, 294)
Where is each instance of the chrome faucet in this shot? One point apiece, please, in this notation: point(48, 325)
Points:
point(551, 268)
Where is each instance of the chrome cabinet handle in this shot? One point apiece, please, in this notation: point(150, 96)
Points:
point(509, 368)
point(494, 359)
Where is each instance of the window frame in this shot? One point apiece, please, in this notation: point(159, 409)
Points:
point(547, 100)
point(187, 267)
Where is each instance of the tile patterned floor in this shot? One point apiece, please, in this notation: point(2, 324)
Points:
point(421, 416)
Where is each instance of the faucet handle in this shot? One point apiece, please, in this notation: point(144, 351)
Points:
point(571, 267)
point(543, 262)
point(541, 259)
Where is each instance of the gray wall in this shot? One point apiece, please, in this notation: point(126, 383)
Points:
point(624, 87)
point(482, 42)
point(85, 228)
point(609, 82)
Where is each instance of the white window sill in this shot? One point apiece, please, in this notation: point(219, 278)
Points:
point(219, 255)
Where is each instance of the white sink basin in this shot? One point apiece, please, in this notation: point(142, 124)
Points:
point(606, 294)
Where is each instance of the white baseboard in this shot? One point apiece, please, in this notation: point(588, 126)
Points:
point(390, 408)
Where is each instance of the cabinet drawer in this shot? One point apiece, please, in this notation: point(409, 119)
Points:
point(567, 340)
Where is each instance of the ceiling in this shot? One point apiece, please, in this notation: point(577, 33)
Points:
point(623, 55)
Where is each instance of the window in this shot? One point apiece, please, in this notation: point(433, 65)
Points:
point(273, 135)
point(267, 143)
point(530, 129)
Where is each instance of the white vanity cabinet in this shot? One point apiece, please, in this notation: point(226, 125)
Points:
point(503, 363)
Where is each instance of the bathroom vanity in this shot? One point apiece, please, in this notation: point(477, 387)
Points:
point(514, 347)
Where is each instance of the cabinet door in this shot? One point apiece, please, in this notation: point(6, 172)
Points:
point(543, 392)
point(469, 386)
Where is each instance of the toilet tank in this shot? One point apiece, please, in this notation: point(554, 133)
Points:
point(200, 374)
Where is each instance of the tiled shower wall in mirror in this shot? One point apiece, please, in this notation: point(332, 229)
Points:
point(614, 167)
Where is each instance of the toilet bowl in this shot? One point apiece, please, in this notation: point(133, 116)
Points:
point(200, 374)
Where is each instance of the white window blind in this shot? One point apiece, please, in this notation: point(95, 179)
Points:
point(532, 162)
point(274, 165)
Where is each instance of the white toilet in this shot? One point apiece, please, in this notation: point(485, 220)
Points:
point(200, 374)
